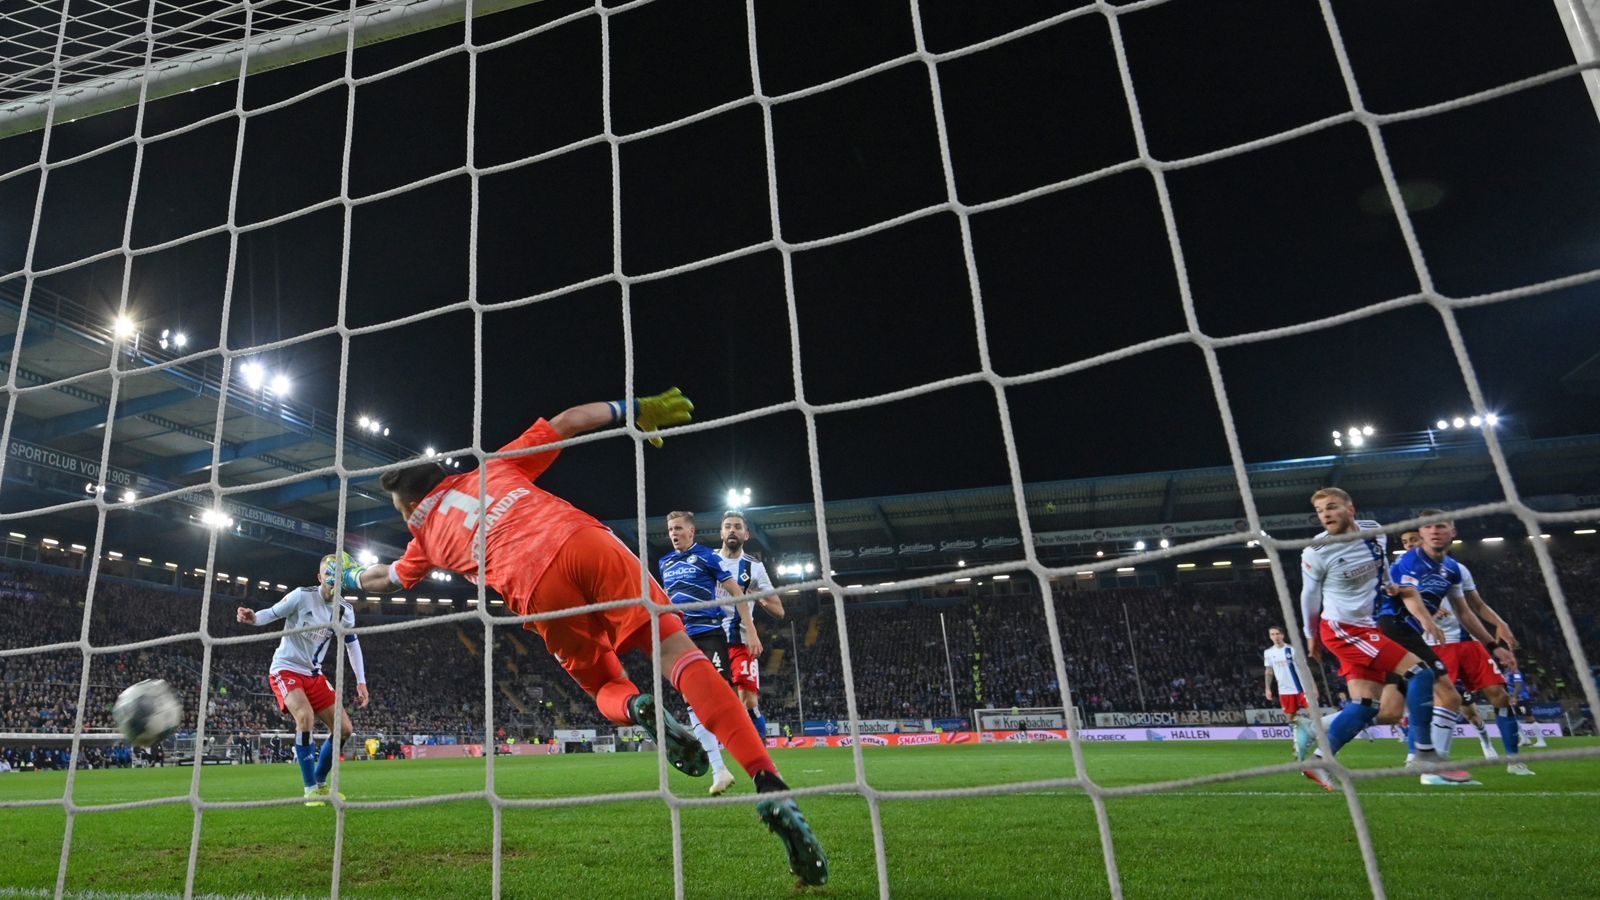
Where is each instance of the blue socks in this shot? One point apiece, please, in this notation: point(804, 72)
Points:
point(1349, 722)
point(760, 721)
point(305, 755)
point(325, 760)
point(1419, 703)
point(1510, 734)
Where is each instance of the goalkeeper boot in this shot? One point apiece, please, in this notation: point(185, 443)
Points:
point(324, 791)
point(683, 748)
point(784, 819)
point(313, 798)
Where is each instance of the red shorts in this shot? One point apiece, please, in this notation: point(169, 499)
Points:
point(1292, 703)
point(1470, 663)
point(593, 566)
point(746, 668)
point(1364, 653)
point(285, 682)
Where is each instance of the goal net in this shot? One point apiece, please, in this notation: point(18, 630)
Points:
point(1008, 163)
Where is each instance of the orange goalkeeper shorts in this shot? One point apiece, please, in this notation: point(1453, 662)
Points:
point(593, 566)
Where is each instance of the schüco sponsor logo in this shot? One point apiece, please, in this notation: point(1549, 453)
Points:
point(908, 739)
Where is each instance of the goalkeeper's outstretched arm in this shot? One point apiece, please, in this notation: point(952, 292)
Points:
point(670, 407)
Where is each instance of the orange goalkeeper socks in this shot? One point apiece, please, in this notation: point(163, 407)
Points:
point(719, 710)
point(613, 697)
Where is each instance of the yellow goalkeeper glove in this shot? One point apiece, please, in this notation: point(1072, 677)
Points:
point(670, 407)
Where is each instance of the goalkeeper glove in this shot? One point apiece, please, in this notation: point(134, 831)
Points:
point(332, 567)
point(668, 408)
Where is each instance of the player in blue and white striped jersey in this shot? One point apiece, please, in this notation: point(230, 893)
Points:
point(691, 573)
point(296, 672)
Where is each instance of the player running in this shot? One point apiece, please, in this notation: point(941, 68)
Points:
point(1277, 664)
point(296, 672)
point(744, 644)
point(693, 573)
point(1343, 582)
point(1446, 586)
point(544, 555)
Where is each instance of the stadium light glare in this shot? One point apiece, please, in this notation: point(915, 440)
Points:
point(1185, 565)
point(961, 562)
point(996, 578)
point(962, 580)
point(810, 568)
point(386, 432)
point(51, 542)
point(497, 603)
point(1338, 443)
point(1221, 563)
point(146, 560)
point(1261, 562)
point(1491, 420)
point(1138, 545)
point(366, 557)
point(1584, 531)
point(364, 422)
point(80, 548)
point(1368, 430)
point(1441, 424)
point(180, 340)
point(281, 385)
point(243, 579)
point(1475, 421)
point(253, 374)
point(1356, 439)
point(1085, 574)
point(1165, 543)
point(18, 535)
point(1126, 569)
point(129, 496)
point(1099, 554)
point(1493, 540)
point(123, 327)
point(1337, 435)
point(114, 554)
point(1458, 422)
point(427, 451)
point(397, 599)
point(174, 567)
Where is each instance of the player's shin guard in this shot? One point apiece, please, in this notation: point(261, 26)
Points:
point(1349, 722)
point(1419, 704)
point(325, 760)
point(305, 754)
point(1510, 734)
point(719, 708)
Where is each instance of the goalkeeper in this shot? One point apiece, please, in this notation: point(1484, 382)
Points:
point(544, 555)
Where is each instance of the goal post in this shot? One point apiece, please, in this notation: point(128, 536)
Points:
point(114, 74)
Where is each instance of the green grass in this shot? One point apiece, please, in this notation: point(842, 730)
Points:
point(1267, 836)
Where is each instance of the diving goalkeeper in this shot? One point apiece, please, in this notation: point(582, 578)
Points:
point(544, 555)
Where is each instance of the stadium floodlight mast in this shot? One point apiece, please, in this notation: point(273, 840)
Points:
point(174, 339)
point(1491, 420)
point(738, 499)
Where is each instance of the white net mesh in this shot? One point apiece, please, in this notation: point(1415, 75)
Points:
point(59, 51)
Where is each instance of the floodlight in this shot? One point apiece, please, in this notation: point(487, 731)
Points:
point(366, 557)
point(1491, 420)
point(1367, 430)
point(1476, 421)
point(253, 374)
point(1458, 422)
point(123, 327)
point(1138, 545)
point(1441, 424)
point(280, 384)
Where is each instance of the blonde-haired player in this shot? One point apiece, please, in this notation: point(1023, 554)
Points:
point(296, 671)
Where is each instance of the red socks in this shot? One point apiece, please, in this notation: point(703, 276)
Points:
point(613, 697)
point(720, 711)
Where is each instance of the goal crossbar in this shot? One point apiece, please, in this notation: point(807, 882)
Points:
point(25, 107)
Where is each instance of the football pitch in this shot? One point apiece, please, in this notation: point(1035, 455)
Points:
point(1277, 835)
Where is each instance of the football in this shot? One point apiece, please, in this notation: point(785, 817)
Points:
point(147, 713)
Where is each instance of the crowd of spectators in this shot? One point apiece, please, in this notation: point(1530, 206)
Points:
point(1177, 647)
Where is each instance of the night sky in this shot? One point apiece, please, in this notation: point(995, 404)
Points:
point(1507, 193)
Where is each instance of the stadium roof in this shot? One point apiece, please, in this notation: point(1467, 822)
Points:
point(167, 412)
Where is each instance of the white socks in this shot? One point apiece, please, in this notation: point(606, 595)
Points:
point(1444, 729)
point(708, 741)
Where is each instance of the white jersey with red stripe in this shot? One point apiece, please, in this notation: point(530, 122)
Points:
point(1349, 573)
point(1281, 661)
point(751, 574)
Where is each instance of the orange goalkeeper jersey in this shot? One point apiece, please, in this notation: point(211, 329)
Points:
point(526, 525)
